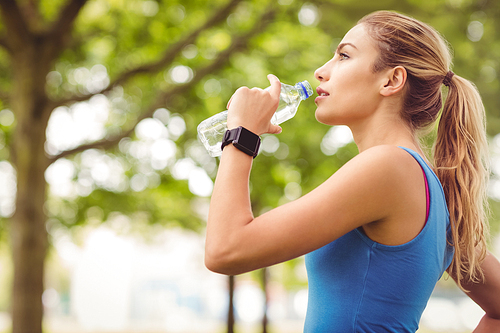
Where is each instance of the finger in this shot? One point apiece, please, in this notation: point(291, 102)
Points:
point(275, 86)
point(275, 129)
point(229, 102)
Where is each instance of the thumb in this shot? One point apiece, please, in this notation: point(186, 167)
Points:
point(275, 86)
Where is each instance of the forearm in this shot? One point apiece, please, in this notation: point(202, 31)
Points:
point(228, 243)
point(230, 209)
point(487, 293)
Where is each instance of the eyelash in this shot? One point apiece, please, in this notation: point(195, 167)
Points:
point(343, 56)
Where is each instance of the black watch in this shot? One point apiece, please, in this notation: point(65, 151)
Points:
point(242, 139)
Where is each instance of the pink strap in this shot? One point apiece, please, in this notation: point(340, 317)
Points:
point(427, 198)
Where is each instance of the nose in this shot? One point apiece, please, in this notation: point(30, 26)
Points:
point(322, 74)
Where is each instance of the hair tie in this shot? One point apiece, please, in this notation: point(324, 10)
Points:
point(447, 78)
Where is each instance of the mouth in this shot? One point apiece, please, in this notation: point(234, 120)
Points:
point(322, 94)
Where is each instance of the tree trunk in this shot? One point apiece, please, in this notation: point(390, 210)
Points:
point(266, 299)
point(28, 233)
point(29, 243)
point(265, 320)
point(33, 49)
point(230, 312)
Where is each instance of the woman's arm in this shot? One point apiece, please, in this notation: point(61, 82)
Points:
point(487, 295)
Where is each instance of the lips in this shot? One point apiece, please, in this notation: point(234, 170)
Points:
point(321, 92)
point(322, 95)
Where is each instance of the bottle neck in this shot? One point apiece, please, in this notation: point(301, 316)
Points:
point(303, 91)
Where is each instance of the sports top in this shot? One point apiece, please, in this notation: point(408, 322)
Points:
point(359, 285)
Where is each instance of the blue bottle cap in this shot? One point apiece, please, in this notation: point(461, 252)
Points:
point(306, 87)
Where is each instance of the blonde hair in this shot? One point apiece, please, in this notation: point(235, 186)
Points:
point(460, 150)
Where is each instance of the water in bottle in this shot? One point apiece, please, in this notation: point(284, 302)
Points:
point(211, 131)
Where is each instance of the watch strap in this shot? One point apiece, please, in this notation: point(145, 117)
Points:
point(243, 139)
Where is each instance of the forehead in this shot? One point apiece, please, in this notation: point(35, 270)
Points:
point(359, 37)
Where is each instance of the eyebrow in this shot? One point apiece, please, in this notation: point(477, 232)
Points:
point(341, 45)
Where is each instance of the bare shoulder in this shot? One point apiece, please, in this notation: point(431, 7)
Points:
point(386, 176)
point(390, 168)
point(396, 179)
point(384, 152)
point(385, 160)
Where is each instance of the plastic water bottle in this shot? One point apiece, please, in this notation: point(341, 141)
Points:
point(211, 131)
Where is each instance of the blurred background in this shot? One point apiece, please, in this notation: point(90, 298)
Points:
point(104, 188)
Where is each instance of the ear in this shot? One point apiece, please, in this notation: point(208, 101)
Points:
point(395, 80)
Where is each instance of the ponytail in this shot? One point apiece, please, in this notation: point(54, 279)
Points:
point(461, 163)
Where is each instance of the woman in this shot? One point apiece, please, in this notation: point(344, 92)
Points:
point(377, 234)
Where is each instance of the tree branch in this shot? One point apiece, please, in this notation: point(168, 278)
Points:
point(17, 29)
point(238, 44)
point(165, 60)
point(31, 12)
point(66, 17)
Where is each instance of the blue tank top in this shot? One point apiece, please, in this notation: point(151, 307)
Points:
point(359, 285)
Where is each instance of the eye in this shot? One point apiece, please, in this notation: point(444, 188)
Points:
point(343, 56)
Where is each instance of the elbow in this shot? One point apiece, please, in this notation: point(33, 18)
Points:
point(222, 261)
point(215, 264)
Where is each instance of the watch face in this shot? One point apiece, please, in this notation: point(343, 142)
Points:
point(242, 139)
point(248, 139)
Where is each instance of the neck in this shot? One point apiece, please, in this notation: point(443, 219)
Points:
point(383, 130)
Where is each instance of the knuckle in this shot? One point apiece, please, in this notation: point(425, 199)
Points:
point(243, 89)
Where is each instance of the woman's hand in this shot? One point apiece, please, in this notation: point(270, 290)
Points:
point(254, 108)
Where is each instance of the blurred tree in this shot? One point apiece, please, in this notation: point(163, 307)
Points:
point(45, 41)
point(147, 72)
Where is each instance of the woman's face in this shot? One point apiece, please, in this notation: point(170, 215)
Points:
point(349, 89)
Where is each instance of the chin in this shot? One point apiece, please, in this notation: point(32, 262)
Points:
point(319, 117)
point(324, 119)
point(335, 117)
